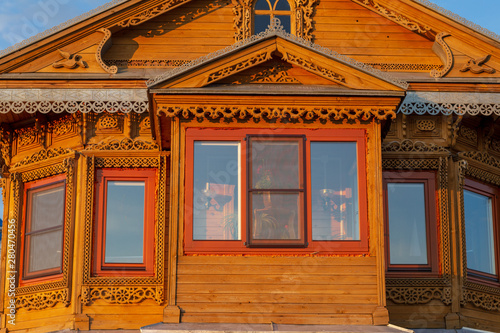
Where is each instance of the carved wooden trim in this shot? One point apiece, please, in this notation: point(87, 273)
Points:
point(482, 300)
point(409, 146)
point(443, 51)
point(418, 295)
point(476, 65)
point(43, 300)
point(150, 13)
point(124, 144)
point(271, 112)
point(43, 155)
point(122, 295)
point(102, 287)
point(398, 18)
point(406, 67)
point(314, 68)
point(154, 63)
point(70, 61)
point(251, 61)
point(44, 295)
point(104, 45)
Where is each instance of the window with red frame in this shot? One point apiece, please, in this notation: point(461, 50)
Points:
point(481, 230)
point(285, 191)
point(124, 222)
point(43, 229)
point(411, 222)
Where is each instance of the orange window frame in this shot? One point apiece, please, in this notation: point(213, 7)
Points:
point(493, 193)
point(146, 268)
point(431, 269)
point(239, 246)
point(48, 274)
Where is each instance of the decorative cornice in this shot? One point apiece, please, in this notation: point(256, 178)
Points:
point(480, 157)
point(43, 155)
point(409, 146)
point(276, 30)
point(73, 100)
point(447, 103)
point(124, 144)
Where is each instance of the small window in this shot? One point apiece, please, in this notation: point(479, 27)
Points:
point(43, 228)
point(410, 222)
point(125, 221)
point(266, 10)
point(293, 191)
point(481, 233)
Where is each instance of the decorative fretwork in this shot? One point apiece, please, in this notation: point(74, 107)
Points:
point(63, 126)
point(70, 61)
point(398, 18)
point(102, 287)
point(122, 295)
point(406, 67)
point(47, 294)
point(107, 122)
point(418, 295)
point(408, 146)
point(469, 134)
point(481, 157)
point(482, 300)
point(43, 300)
point(230, 70)
point(270, 112)
point(155, 63)
point(275, 74)
point(73, 100)
point(104, 45)
point(124, 144)
point(426, 125)
point(43, 155)
point(303, 12)
point(27, 136)
point(443, 51)
point(275, 29)
point(145, 125)
point(314, 68)
point(150, 13)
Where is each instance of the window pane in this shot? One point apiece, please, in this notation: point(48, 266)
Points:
point(261, 22)
point(216, 198)
point(479, 232)
point(263, 5)
point(276, 215)
point(45, 250)
point(47, 207)
point(334, 187)
point(407, 224)
point(282, 5)
point(275, 163)
point(124, 222)
point(285, 22)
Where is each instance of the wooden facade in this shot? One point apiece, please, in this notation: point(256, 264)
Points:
point(123, 96)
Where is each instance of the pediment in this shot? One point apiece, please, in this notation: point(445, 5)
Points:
point(269, 52)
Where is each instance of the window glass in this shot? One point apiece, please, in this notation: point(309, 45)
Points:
point(263, 5)
point(216, 200)
point(480, 244)
point(334, 191)
point(281, 5)
point(285, 22)
point(407, 223)
point(124, 228)
point(44, 229)
point(261, 23)
point(266, 10)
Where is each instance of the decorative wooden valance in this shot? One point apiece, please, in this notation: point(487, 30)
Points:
point(447, 103)
point(73, 100)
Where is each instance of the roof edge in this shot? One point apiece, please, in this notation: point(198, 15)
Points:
point(459, 19)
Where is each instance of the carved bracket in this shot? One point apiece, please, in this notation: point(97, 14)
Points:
point(104, 45)
point(443, 51)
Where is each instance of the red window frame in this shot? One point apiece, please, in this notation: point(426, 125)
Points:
point(101, 268)
point(239, 246)
point(493, 193)
point(429, 180)
point(48, 274)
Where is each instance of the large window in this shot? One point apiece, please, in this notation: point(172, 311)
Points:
point(410, 221)
point(481, 230)
point(43, 228)
point(290, 191)
point(125, 221)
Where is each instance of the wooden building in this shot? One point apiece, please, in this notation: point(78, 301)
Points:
point(316, 162)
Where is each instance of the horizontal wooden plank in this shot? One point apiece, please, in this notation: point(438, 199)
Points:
point(144, 307)
point(130, 321)
point(304, 263)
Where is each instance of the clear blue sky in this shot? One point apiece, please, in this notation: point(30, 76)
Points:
point(20, 19)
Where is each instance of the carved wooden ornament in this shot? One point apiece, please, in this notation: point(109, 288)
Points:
point(476, 66)
point(70, 61)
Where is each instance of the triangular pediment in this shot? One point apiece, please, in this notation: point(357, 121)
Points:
point(277, 48)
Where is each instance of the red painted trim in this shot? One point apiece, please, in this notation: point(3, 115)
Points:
point(100, 267)
point(52, 274)
point(238, 247)
point(431, 216)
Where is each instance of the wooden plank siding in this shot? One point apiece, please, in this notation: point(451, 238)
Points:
point(295, 290)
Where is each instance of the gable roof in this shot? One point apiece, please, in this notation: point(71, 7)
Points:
point(161, 7)
point(276, 30)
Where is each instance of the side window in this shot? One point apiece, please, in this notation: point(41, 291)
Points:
point(410, 222)
point(481, 229)
point(43, 228)
point(124, 222)
point(266, 10)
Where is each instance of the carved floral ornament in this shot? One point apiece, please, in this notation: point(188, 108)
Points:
point(73, 100)
point(448, 103)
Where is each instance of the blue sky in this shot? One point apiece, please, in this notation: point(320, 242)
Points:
point(20, 19)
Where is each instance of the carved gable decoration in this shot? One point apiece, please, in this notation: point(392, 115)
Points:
point(274, 44)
